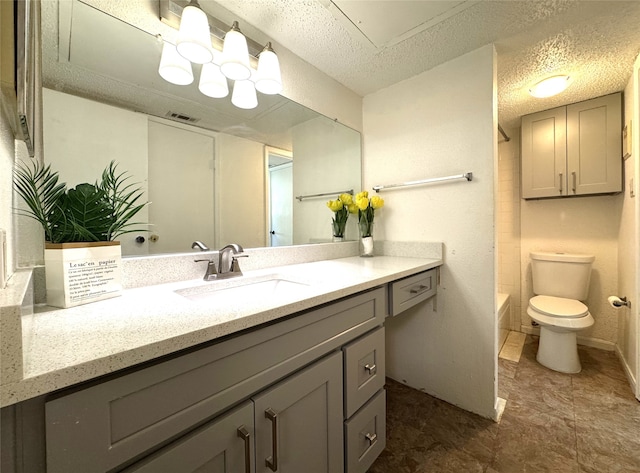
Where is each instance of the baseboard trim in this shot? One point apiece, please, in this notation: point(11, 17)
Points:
point(627, 370)
point(586, 341)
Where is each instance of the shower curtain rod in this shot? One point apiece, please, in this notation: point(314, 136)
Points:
point(506, 138)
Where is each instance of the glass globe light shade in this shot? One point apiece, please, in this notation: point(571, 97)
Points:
point(550, 86)
point(244, 94)
point(173, 67)
point(268, 77)
point(212, 82)
point(235, 55)
point(194, 37)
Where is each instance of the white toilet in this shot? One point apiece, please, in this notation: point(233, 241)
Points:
point(560, 282)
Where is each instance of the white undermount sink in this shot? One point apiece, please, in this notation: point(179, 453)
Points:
point(242, 290)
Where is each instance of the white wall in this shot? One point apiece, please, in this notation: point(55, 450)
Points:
point(240, 190)
point(322, 162)
point(576, 225)
point(81, 137)
point(508, 221)
point(439, 123)
point(629, 234)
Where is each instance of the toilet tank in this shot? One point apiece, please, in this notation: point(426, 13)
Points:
point(561, 274)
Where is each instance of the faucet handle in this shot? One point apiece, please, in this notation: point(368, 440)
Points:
point(235, 266)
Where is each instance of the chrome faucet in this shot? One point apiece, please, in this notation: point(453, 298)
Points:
point(198, 244)
point(228, 261)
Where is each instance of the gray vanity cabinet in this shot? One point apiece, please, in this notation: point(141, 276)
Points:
point(299, 421)
point(224, 445)
point(298, 427)
point(149, 418)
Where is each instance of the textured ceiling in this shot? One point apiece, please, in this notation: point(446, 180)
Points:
point(595, 42)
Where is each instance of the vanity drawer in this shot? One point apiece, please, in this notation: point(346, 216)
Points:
point(408, 292)
point(104, 426)
point(365, 434)
point(364, 370)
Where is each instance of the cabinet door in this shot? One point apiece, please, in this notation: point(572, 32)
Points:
point(225, 445)
point(544, 154)
point(594, 146)
point(299, 421)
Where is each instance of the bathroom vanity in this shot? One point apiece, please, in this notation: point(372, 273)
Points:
point(290, 381)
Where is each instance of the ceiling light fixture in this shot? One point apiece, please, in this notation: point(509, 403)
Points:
point(230, 56)
point(550, 86)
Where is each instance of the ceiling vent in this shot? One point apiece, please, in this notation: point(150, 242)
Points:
point(181, 117)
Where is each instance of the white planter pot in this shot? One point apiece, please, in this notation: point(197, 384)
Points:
point(367, 247)
point(79, 273)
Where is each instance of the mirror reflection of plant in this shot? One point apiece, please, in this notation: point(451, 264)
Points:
point(366, 211)
point(340, 207)
point(88, 212)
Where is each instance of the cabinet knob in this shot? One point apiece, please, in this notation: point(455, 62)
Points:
point(371, 369)
point(372, 438)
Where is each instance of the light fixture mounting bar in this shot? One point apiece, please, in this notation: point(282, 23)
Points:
point(171, 12)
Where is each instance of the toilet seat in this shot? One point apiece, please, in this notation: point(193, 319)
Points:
point(558, 307)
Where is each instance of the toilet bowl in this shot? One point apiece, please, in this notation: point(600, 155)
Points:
point(560, 282)
point(559, 319)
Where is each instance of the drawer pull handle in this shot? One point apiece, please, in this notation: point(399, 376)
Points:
point(419, 289)
point(244, 434)
point(371, 369)
point(560, 183)
point(372, 438)
point(573, 175)
point(272, 461)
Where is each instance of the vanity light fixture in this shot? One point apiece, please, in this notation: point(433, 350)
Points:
point(228, 57)
point(550, 86)
point(268, 79)
point(244, 94)
point(194, 37)
point(235, 55)
point(212, 82)
point(173, 67)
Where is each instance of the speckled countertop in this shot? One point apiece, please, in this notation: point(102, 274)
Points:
point(62, 347)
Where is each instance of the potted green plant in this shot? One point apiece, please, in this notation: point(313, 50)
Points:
point(82, 255)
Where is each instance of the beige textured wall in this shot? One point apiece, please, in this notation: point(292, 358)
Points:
point(576, 225)
point(629, 236)
point(440, 123)
point(508, 221)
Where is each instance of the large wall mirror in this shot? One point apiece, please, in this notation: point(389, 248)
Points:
point(212, 172)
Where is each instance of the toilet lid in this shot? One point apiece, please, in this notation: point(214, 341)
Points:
point(558, 306)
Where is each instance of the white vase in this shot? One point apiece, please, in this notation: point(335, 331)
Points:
point(78, 273)
point(367, 247)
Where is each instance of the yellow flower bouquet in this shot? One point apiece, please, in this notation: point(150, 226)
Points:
point(365, 208)
point(340, 207)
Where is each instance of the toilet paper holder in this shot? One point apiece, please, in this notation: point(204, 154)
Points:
point(618, 302)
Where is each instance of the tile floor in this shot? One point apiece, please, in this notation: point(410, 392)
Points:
point(553, 422)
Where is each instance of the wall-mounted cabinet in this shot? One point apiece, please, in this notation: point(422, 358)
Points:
point(573, 150)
